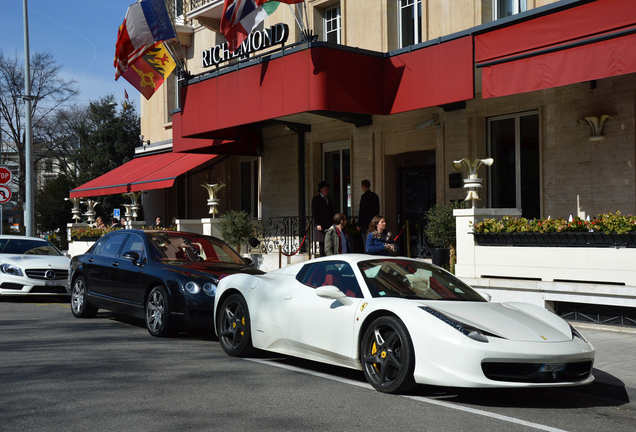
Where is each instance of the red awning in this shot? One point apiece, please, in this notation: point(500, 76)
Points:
point(593, 41)
point(143, 173)
point(322, 79)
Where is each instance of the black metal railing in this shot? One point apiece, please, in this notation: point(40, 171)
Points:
point(286, 232)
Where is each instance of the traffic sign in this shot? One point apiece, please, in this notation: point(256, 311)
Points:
point(116, 213)
point(5, 194)
point(5, 175)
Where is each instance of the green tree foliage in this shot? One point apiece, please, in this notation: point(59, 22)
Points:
point(52, 213)
point(236, 228)
point(441, 224)
point(106, 137)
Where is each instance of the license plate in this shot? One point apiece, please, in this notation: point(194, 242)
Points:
point(552, 367)
point(55, 282)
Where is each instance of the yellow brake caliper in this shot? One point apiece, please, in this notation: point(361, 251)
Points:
point(374, 350)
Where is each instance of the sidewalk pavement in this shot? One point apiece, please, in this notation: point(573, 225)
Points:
point(615, 362)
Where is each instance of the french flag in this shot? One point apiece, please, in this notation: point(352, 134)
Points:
point(146, 22)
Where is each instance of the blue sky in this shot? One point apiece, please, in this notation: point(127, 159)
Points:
point(81, 35)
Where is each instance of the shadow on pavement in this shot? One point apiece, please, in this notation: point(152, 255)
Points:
point(597, 394)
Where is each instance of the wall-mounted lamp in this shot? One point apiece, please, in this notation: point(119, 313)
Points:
point(430, 122)
point(142, 142)
point(596, 125)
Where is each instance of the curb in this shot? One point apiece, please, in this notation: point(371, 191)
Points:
point(601, 327)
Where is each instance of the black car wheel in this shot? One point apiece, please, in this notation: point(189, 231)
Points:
point(233, 325)
point(80, 306)
point(387, 356)
point(158, 320)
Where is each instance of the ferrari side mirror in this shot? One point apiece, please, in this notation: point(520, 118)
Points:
point(332, 292)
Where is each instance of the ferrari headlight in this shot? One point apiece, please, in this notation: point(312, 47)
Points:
point(210, 289)
point(11, 270)
point(466, 330)
point(575, 333)
point(192, 287)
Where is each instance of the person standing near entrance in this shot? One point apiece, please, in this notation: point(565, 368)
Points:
point(379, 241)
point(322, 213)
point(369, 206)
point(336, 239)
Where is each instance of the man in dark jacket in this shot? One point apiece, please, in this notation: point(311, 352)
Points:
point(369, 207)
point(322, 213)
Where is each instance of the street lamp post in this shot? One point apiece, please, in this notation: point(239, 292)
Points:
point(28, 151)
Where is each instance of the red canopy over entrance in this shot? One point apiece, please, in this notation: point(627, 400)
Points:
point(332, 82)
point(143, 173)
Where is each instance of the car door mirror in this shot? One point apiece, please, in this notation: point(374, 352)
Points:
point(248, 261)
point(132, 256)
point(332, 292)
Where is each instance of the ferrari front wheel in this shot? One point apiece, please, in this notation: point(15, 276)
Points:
point(387, 355)
point(233, 325)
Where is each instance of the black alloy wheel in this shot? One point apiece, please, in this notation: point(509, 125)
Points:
point(387, 355)
point(233, 326)
point(80, 306)
point(158, 320)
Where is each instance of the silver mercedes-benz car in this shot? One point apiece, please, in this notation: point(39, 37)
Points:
point(31, 266)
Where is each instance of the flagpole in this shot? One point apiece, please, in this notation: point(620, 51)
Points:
point(28, 151)
point(307, 19)
point(300, 27)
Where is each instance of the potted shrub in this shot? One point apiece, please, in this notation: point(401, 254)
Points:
point(440, 232)
point(236, 228)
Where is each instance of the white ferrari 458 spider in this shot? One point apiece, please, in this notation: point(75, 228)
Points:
point(402, 321)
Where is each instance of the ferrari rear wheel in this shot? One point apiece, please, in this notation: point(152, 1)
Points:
point(80, 306)
point(388, 359)
point(233, 325)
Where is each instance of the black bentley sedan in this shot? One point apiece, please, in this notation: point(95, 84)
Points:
point(168, 278)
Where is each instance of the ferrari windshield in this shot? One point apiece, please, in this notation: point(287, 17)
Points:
point(413, 279)
point(28, 247)
point(184, 248)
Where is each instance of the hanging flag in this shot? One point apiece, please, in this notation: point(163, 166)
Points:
point(150, 71)
point(238, 20)
point(125, 97)
point(146, 23)
point(262, 2)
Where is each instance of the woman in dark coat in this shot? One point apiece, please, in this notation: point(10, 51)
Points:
point(378, 242)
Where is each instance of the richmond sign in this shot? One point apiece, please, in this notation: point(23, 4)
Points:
point(257, 41)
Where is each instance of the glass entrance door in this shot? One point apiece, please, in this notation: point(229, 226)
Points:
point(416, 193)
point(337, 172)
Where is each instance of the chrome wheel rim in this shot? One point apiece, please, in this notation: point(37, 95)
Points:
point(78, 296)
point(155, 311)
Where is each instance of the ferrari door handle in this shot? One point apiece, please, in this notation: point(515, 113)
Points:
point(287, 297)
